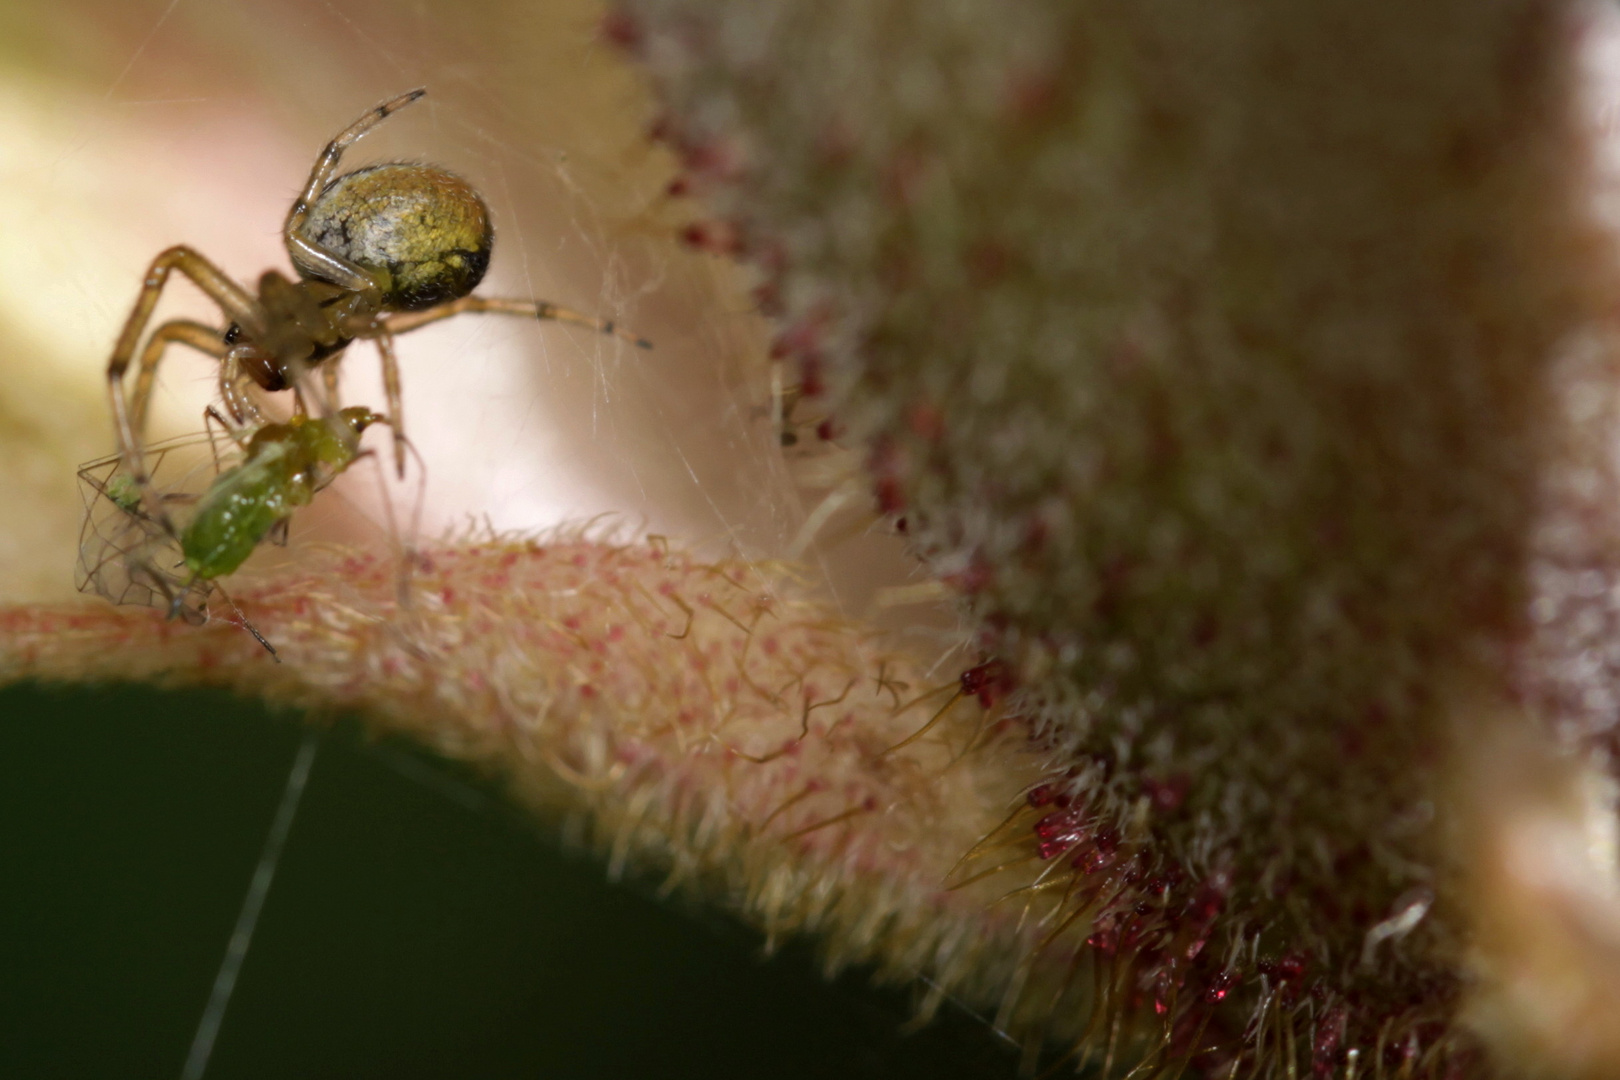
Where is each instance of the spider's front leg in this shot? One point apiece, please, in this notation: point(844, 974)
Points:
point(129, 418)
point(321, 175)
point(205, 339)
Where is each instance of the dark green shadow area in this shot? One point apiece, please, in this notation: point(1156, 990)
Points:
point(418, 926)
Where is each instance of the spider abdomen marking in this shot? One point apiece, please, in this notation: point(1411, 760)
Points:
point(423, 232)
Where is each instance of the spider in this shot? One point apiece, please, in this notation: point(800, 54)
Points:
point(131, 556)
point(379, 251)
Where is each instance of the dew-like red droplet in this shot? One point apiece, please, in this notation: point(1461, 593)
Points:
point(621, 28)
point(1167, 794)
point(1051, 849)
point(1220, 986)
point(1091, 861)
point(1325, 1045)
point(890, 498)
point(1205, 906)
point(979, 676)
point(1060, 823)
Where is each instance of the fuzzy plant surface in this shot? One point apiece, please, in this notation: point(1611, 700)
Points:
point(1243, 367)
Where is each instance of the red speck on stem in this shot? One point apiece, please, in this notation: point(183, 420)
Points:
point(926, 421)
point(1169, 793)
point(1207, 902)
point(988, 262)
point(1099, 854)
point(1289, 971)
point(804, 337)
point(1060, 831)
point(812, 382)
point(1091, 861)
point(987, 681)
point(1206, 630)
point(713, 237)
point(972, 579)
point(901, 179)
point(1329, 1033)
point(768, 295)
point(1030, 95)
point(891, 499)
point(1060, 823)
point(1035, 536)
point(1220, 986)
point(714, 158)
point(835, 144)
point(622, 29)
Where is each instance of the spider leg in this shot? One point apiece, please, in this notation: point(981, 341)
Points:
point(328, 161)
point(237, 304)
point(329, 380)
point(406, 541)
point(233, 388)
point(324, 394)
point(401, 322)
point(390, 372)
point(244, 624)
point(311, 257)
point(205, 339)
point(212, 417)
point(317, 260)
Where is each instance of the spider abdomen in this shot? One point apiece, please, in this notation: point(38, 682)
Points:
point(424, 233)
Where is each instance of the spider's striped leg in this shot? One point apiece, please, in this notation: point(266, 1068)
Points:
point(329, 381)
point(205, 339)
point(232, 299)
point(318, 260)
point(396, 402)
point(401, 322)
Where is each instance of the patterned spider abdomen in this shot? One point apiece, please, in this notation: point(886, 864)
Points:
point(423, 232)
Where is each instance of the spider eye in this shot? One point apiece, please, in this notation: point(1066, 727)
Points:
point(233, 334)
